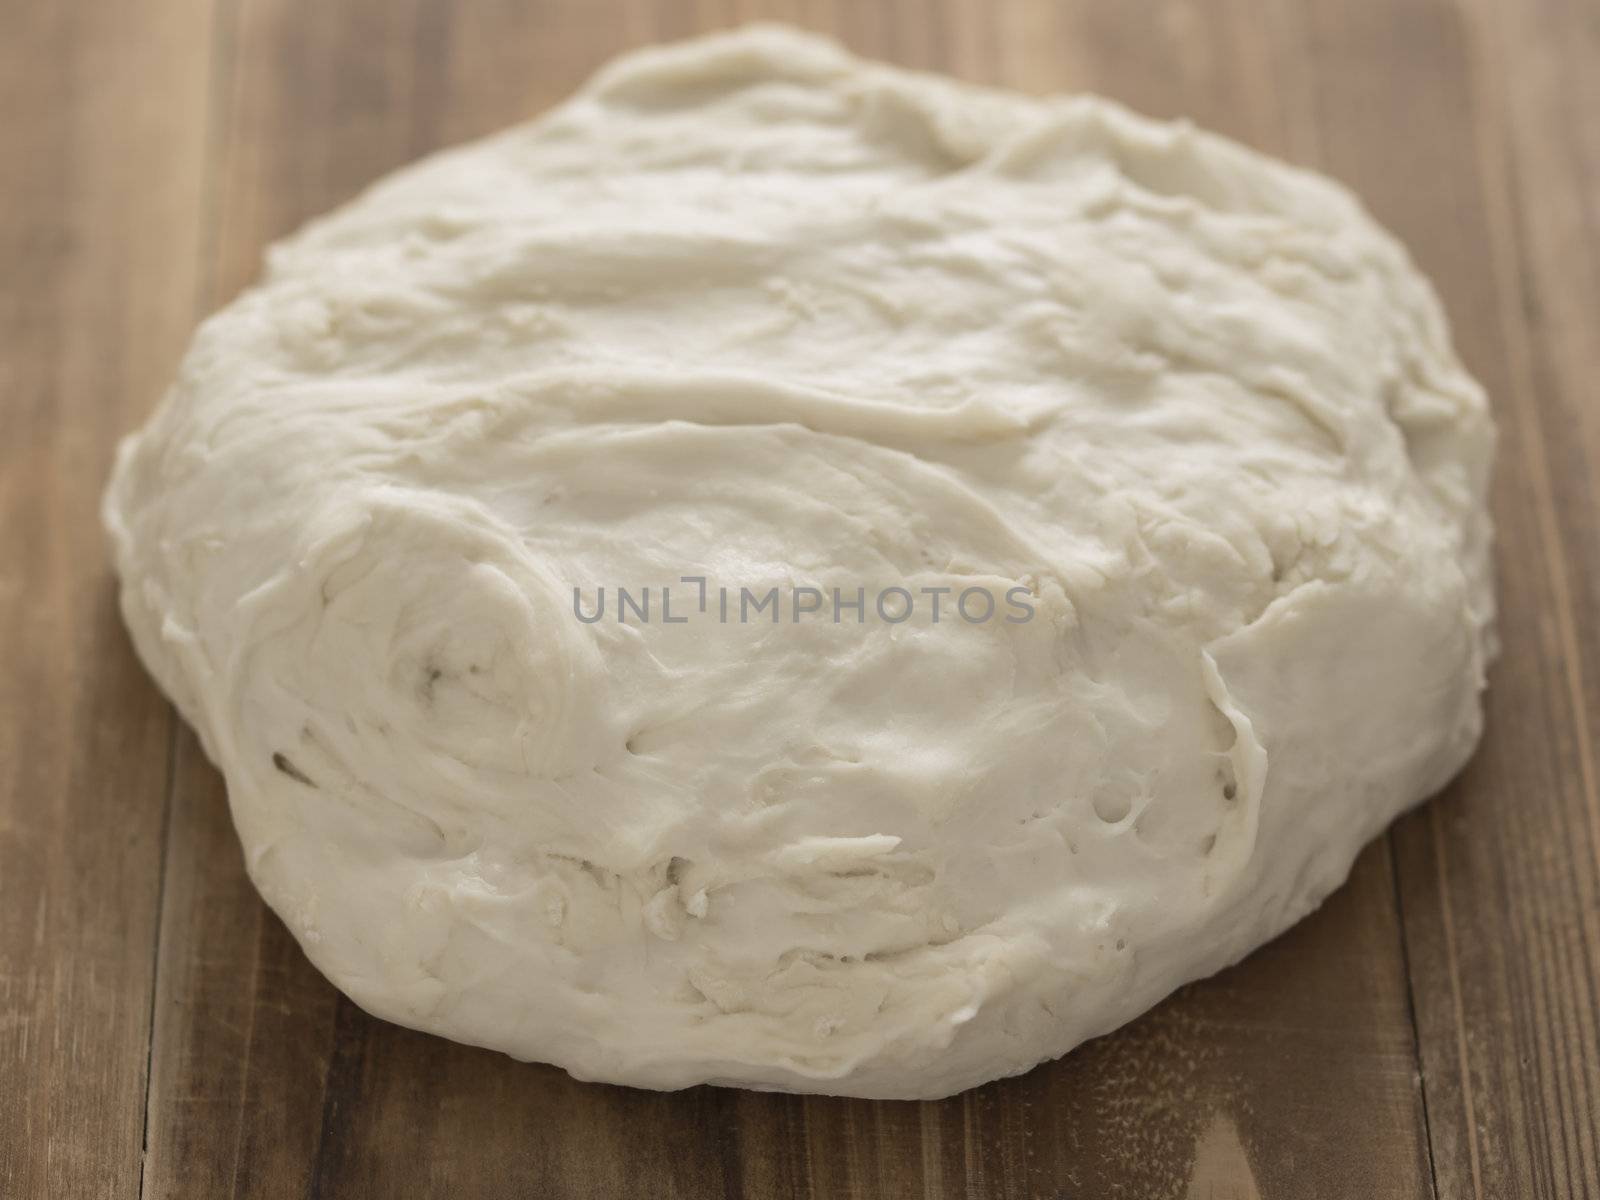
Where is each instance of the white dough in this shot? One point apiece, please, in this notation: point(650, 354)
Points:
point(749, 309)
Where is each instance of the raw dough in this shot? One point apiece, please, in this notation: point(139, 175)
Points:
point(751, 310)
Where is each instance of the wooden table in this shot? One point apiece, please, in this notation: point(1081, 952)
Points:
point(1434, 1030)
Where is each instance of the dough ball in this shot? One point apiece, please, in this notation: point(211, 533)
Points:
point(1108, 497)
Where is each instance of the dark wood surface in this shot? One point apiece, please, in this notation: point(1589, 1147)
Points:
point(1433, 1031)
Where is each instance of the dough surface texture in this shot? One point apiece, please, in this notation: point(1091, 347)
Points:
point(750, 310)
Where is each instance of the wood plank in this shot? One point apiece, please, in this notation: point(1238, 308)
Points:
point(102, 123)
point(1290, 1075)
point(1502, 882)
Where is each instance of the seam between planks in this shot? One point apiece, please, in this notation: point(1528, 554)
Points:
point(155, 941)
point(1411, 1007)
point(220, 53)
point(1463, 1062)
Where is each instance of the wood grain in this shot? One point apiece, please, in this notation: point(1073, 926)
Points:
point(102, 119)
point(1502, 880)
point(1432, 1031)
